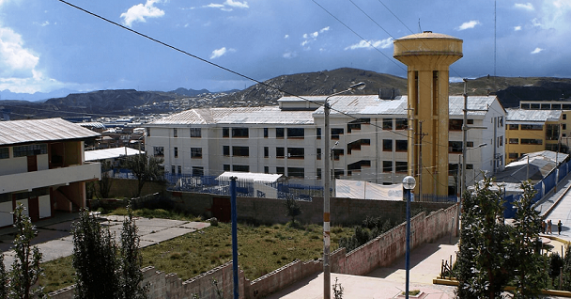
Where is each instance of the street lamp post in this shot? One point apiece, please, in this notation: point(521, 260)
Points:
point(408, 184)
point(327, 193)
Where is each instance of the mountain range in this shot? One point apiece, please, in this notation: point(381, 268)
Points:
point(510, 91)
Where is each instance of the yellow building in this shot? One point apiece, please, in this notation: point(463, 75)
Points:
point(428, 57)
point(534, 130)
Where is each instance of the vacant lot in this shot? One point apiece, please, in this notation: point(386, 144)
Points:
point(261, 249)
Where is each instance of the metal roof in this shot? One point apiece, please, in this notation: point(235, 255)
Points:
point(241, 115)
point(38, 130)
point(94, 124)
point(515, 115)
point(110, 153)
point(540, 165)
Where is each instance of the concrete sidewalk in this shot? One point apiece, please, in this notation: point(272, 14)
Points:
point(55, 239)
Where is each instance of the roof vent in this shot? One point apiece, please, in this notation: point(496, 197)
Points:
point(427, 32)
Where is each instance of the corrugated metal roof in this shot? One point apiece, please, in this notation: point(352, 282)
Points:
point(37, 130)
point(110, 153)
point(514, 115)
point(242, 115)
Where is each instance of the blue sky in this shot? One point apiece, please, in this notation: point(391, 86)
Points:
point(47, 45)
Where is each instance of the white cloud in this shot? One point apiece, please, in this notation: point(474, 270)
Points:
point(311, 37)
point(220, 52)
point(324, 29)
point(370, 44)
point(228, 5)
point(44, 24)
point(139, 12)
point(468, 25)
point(286, 36)
point(290, 54)
point(527, 6)
point(537, 50)
point(517, 28)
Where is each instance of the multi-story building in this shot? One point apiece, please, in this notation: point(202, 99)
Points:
point(42, 167)
point(530, 131)
point(368, 139)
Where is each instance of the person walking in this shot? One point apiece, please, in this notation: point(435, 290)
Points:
point(543, 226)
point(549, 227)
point(559, 225)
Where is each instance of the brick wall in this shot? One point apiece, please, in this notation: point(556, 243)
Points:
point(380, 252)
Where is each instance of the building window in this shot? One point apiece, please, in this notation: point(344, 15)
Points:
point(30, 150)
point(295, 133)
point(318, 153)
point(356, 124)
point(469, 166)
point(173, 168)
point(296, 172)
point(280, 153)
point(266, 169)
point(318, 133)
point(266, 152)
point(226, 167)
point(387, 145)
point(337, 153)
point(401, 123)
point(453, 169)
point(148, 132)
point(198, 171)
point(335, 133)
point(240, 151)
point(387, 124)
point(564, 116)
point(470, 121)
point(295, 152)
point(280, 170)
point(196, 132)
point(338, 173)
point(266, 133)
point(401, 145)
point(174, 132)
point(514, 141)
point(564, 126)
point(4, 153)
point(241, 168)
point(469, 143)
point(455, 124)
point(401, 167)
point(179, 169)
point(225, 132)
point(500, 121)
point(387, 166)
point(319, 173)
point(240, 132)
point(552, 132)
point(159, 151)
point(196, 152)
point(512, 155)
point(513, 126)
point(176, 152)
point(455, 147)
point(532, 127)
point(531, 141)
point(279, 132)
point(226, 150)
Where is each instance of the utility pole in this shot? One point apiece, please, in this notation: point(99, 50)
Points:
point(421, 135)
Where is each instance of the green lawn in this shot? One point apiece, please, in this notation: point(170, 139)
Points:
point(262, 249)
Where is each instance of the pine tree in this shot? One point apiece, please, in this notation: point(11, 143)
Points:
point(529, 272)
point(3, 278)
point(94, 259)
point(131, 260)
point(293, 209)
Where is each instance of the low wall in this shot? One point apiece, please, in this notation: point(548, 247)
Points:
point(379, 252)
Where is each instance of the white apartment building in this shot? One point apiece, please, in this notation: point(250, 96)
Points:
point(369, 139)
point(42, 167)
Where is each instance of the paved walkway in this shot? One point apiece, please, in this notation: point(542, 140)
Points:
point(557, 206)
point(55, 240)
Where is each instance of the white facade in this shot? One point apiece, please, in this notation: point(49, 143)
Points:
point(42, 167)
point(369, 139)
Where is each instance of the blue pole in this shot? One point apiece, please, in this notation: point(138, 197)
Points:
point(407, 259)
point(234, 235)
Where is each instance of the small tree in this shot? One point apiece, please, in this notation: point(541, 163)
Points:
point(131, 260)
point(566, 271)
point(105, 182)
point(529, 277)
point(293, 209)
point(94, 259)
point(26, 269)
point(145, 169)
point(3, 278)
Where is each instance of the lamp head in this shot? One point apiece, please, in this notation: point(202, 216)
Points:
point(409, 182)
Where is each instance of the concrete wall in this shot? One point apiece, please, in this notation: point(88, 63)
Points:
point(380, 252)
point(343, 210)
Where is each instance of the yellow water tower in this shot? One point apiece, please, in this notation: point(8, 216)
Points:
point(428, 57)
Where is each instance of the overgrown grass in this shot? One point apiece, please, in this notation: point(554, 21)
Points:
point(261, 249)
point(157, 213)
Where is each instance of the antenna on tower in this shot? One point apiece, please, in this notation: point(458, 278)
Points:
point(419, 28)
point(495, 40)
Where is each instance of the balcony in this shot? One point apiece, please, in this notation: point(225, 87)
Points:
point(49, 177)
